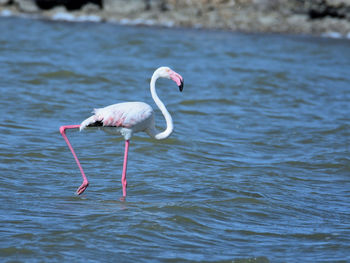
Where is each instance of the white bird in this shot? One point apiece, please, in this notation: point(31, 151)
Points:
point(127, 118)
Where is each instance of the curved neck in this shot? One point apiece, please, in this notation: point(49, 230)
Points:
point(169, 121)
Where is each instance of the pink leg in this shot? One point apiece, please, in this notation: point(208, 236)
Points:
point(124, 182)
point(85, 183)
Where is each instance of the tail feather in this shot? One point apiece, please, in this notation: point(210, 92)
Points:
point(87, 122)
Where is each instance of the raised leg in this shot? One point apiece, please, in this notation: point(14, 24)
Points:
point(85, 183)
point(124, 182)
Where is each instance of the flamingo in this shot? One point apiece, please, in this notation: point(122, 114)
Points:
point(127, 118)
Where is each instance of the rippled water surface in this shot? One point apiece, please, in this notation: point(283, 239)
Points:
point(257, 169)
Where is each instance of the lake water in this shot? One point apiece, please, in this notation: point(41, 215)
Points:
point(257, 169)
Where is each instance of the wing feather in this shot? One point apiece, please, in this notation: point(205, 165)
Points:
point(127, 114)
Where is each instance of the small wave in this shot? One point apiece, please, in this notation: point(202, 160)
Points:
point(193, 112)
point(335, 130)
point(314, 236)
point(60, 74)
point(10, 251)
point(240, 200)
point(139, 21)
point(144, 22)
point(63, 16)
point(335, 35)
point(252, 260)
point(6, 13)
point(194, 102)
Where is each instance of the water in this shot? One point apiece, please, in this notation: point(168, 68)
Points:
point(257, 169)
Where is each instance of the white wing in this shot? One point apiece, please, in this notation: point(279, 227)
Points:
point(127, 114)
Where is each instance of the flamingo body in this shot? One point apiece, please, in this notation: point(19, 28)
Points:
point(126, 118)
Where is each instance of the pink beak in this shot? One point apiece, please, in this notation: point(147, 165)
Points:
point(178, 79)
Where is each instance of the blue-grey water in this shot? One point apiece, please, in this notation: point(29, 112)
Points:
point(257, 169)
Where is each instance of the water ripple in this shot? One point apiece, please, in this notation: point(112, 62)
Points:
point(257, 163)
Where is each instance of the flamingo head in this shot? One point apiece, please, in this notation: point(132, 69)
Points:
point(168, 73)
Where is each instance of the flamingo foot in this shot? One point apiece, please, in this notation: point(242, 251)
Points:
point(82, 188)
point(122, 198)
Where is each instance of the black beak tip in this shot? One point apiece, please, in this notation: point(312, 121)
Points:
point(181, 87)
